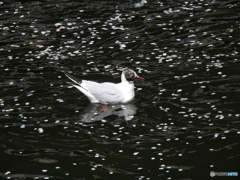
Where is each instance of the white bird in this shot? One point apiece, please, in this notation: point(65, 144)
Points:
point(108, 93)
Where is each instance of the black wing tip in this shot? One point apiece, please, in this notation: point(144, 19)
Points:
point(66, 74)
point(73, 78)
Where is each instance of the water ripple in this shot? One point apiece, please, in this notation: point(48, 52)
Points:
point(183, 122)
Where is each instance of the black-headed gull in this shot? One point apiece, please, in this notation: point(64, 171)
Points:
point(108, 93)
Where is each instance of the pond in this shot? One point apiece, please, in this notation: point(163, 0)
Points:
point(183, 122)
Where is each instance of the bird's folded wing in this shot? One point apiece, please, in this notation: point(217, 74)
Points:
point(104, 92)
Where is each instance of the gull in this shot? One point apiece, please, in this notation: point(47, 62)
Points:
point(108, 93)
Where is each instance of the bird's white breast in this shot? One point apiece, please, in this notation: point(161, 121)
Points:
point(127, 90)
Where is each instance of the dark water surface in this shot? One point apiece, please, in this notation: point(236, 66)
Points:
point(184, 121)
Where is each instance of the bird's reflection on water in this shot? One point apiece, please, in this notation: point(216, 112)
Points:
point(96, 112)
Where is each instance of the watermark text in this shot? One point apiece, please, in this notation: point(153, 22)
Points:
point(212, 173)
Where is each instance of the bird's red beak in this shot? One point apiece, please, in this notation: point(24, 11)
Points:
point(140, 79)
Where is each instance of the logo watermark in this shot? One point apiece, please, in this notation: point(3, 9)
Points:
point(212, 173)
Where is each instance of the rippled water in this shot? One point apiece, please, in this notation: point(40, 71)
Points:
point(184, 121)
